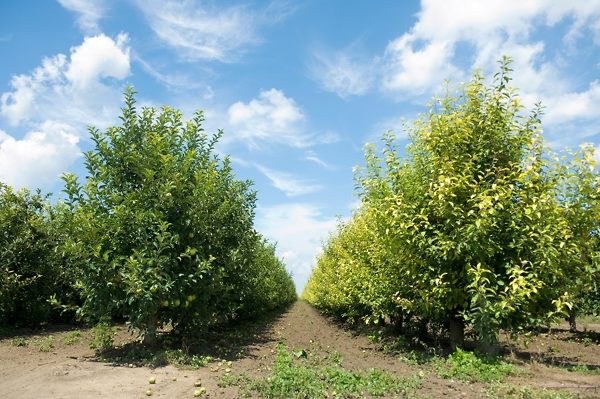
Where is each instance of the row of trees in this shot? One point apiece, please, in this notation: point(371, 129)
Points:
point(160, 232)
point(477, 225)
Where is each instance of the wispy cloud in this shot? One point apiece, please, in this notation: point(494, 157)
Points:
point(89, 13)
point(291, 185)
point(175, 80)
point(209, 32)
point(312, 157)
point(344, 72)
point(299, 229)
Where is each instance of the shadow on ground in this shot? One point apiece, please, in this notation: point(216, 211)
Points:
point(224, 343)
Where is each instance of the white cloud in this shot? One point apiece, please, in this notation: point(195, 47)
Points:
point(98, 57)
point(17, 105)
point(419, 60)
point(270, 118)
point(54, 104)
point(89, 13)
point(568, 107)
point(291, 185)
point(299, 230)
point(206, 32)
point(71, 89)
point(417, 70)
point(312, 157)
point(40, 157)
point(342, 73)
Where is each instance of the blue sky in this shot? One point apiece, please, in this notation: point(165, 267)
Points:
point(298, 87)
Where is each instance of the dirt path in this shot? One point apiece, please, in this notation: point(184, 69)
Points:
point(71, 370)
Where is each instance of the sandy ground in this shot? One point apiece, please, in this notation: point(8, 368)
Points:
point(74, 371)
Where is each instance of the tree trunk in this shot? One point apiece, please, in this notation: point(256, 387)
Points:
point(150, 335)
point(398, 323)
point(422, 332)
point(572, 321)
point(457, 331)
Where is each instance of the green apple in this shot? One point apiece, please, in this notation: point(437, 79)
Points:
point(176, 303)
point(152, 380)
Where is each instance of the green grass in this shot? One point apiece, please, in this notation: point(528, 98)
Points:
point(470, 367)
point(19, 341)
point(511, 392)
point(583, 369)
point(45, 344)
point(316, 377)
point(72, 338)
point(155, 357)
point(180, 359)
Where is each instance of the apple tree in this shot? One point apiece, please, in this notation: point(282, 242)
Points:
point(166, 226)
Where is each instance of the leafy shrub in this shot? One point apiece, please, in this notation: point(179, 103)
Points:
point(32, 267)
point(478, 224)
point(166, 230)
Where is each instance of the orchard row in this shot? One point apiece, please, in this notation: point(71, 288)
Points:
point(159, 233)
point(476, 225)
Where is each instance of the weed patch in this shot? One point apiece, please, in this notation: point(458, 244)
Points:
point(44, 344)
point(19, 341)
point(511, 392)
point(72, 338)
point(314, 377)
point(470, 367)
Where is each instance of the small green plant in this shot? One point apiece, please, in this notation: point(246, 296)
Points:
point(228, 380)
point(102, 336)
point(72, 338)
point(179, 358)
point(375, 337)
point(335, 358)
point(45, 344)
point(19, 341)
point(471, 367)
point(511, 392)
point(583, 369)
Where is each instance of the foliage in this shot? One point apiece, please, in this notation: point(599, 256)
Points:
point(472, 367)
point(165, 230)
point(479, 224)
point(32, 267)
point(102, 336)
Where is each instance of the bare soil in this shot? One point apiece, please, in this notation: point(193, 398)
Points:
point(75, 371)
